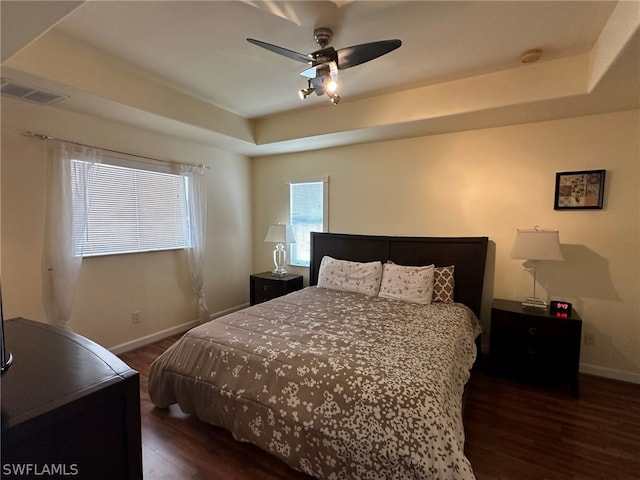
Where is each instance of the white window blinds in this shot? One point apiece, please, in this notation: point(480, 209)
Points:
point(308, 213)
point(133, 210)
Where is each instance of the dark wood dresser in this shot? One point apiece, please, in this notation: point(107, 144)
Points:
point(70, 408)
point(534, 345)
point(264, 286)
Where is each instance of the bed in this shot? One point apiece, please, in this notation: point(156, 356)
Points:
point(339, 382)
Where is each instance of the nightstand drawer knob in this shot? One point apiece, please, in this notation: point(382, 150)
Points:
point(532, 350)
point(533, 331)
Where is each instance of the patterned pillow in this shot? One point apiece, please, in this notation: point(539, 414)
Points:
point(410, 284)
point(443, 284)
point(349, 276)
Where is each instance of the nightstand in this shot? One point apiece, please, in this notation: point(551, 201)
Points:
point(265, 286)
point(534, 345)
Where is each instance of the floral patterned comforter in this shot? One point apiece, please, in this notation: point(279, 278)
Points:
point(339, 385)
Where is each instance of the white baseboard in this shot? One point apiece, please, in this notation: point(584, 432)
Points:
point(155, 337)
point(610, 373)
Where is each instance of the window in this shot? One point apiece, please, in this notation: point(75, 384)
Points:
point(131, 210)
point(308, 206)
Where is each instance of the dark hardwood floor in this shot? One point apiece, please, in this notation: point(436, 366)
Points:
point(514, 432)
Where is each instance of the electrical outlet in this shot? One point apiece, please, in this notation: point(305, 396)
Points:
point(589, 339)
point(136, 317)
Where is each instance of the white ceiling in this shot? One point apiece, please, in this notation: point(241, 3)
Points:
point(199, 49)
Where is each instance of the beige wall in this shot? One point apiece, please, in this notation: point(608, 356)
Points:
point(484, 182)
point(491, 182)
point(112, 287)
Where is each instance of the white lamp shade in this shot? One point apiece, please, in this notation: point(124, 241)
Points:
point(537, 244)
point(280, 234)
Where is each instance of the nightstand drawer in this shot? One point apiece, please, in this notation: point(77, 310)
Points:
point(524, 325)
point(264, 286)
point(266, 289)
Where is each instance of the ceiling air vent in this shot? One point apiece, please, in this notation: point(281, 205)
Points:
point(30, 94)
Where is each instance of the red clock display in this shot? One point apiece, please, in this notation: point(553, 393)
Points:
point(560, 309)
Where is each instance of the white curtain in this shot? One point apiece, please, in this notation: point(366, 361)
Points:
point(62, 256)
point(197, 203)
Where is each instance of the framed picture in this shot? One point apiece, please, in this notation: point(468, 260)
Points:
point(579, 190)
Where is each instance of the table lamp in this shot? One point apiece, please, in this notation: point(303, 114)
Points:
point(280, 235)
point(536, 245)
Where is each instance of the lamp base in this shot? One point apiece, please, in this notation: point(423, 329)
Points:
point(279, 272)
point(279, 260)
point(534, 302)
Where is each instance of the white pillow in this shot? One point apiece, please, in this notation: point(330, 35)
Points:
point(349, 276)
point(410, 284)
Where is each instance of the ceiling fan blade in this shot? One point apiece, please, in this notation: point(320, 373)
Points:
point(311, 72)
point(351, 56)
point(327, 68)
point(333, 69)
point(282, 51)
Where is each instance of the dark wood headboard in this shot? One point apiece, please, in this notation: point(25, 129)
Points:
point(468, 254)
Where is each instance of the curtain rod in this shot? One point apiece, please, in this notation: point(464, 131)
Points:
point(41, 136)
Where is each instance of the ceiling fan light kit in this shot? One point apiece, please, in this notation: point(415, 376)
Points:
point(305, 92)
point(322, 73)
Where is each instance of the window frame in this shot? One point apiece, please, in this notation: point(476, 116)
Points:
point(325, 213)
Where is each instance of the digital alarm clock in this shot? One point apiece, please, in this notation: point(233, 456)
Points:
point(560, 308)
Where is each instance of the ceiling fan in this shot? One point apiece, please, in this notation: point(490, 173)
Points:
point(324, 64)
